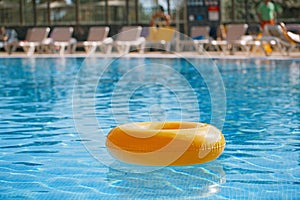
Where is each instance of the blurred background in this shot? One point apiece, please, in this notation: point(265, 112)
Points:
point(81, 14)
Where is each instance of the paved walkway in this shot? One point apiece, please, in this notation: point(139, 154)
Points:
point(239, 55)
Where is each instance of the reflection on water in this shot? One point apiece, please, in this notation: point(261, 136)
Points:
point(43, 157)
point(119, 91)
point(168, 183)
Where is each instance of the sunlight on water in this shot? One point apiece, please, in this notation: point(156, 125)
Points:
point(43, 156)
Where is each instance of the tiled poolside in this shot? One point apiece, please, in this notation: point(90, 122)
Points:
point(212, 54)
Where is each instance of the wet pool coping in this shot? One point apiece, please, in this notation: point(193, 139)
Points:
point(207, 55)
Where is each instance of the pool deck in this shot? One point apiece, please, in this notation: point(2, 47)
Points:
point(185, 54)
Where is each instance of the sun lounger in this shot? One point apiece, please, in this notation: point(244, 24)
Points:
point(234, 38)
point(35, 38)
point(61, 39)
point(284, 41)
point(97, 38)
point(276, 37)
point(129, 36)
point(291, 36)
point(199, 37)
point(160, 37)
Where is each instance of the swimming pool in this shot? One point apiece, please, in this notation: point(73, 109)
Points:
point(44, 103)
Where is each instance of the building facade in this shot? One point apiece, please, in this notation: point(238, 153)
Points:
point(115, 13)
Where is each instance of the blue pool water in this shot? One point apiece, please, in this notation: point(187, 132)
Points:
point(49, 107)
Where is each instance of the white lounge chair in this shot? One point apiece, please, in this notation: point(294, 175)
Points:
point(97, 38)
point(199, 37)
point(61, 39)
point(129, 36)
point(35, 38)
point(234, 38)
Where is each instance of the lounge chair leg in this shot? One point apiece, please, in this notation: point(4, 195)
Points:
point(141, 48)
point(86, 48)
point(108, 49)
point(62, 49)
point(223, 49)
point(39, 49)
point(232, 50)
point(168, 46)
point(127, 49)
point(30, 50)
point(201, 48)
point(74, 46)
point(102, 48)
point(92, 49)
point(120, 48)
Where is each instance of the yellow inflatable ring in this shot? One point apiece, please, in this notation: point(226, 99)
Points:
point(165, 143)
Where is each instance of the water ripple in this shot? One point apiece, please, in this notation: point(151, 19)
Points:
point(43, 157)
